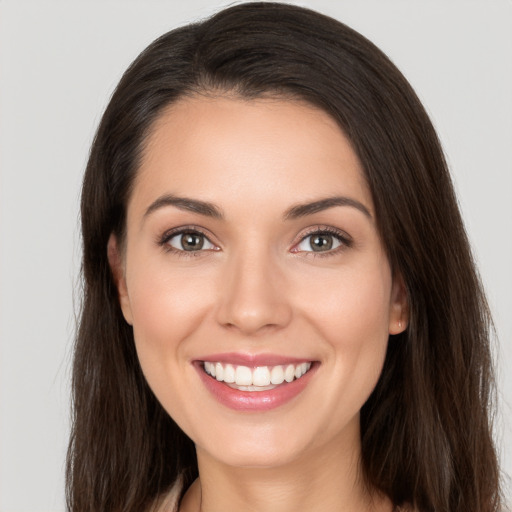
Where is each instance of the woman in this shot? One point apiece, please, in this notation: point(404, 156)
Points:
point(330, 352)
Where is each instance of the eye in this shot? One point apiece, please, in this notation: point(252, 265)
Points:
point(190, 241)
point(323, 241)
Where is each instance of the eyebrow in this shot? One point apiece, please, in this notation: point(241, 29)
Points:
point(184, 203)
point(301, 210)
point(295, 212)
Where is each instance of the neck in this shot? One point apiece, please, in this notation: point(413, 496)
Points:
point(330, 477)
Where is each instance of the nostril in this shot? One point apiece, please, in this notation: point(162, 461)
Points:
point(253, 319)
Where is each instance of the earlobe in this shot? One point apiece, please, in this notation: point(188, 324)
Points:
point(115, 261)
point(399, 310)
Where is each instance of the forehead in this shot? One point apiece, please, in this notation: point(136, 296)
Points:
point(260, 150)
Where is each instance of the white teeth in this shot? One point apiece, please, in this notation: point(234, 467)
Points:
point(219, 372)
point(251, 388)
point(229, 373)
point(301, 369)
point(289, 373)
point(261, 376)
point(255, 379)
point(277, 375)
point(243, 376)
point(209, 368)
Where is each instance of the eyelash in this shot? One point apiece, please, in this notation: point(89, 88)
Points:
point(193, 230)
point(345, 241)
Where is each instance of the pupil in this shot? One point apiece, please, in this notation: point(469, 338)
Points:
point(191, 242)
point(322, 243)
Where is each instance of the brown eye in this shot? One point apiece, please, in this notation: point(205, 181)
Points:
point(319, 242)
point(324, 240)
point(190, 241)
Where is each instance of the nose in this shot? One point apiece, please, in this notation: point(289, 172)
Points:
point(253, 295)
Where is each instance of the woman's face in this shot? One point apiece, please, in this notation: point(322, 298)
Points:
point(252, 247)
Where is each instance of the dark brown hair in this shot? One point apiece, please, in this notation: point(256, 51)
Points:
point(427, 428)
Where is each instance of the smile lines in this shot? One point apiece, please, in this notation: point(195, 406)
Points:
point(260, 378)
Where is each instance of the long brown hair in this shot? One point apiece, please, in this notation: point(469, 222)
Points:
point(427, 428)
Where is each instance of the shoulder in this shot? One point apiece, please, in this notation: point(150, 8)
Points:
point(169, 501)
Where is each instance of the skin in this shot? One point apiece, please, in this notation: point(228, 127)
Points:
point(259, 287)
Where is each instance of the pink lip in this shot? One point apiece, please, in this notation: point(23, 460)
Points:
point(252, 360)
point(254, 401)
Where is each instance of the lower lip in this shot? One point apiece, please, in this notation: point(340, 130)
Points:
point(256, 401)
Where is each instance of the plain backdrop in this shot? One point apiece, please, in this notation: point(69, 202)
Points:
point(59, 62)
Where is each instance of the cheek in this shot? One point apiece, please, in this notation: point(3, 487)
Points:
point(350, 305)
point(166, 309)
point(350, 313)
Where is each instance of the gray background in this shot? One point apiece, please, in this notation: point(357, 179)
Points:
point(59, 62)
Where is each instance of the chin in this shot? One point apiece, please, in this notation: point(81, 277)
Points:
point(256, 448)
point(251, 458)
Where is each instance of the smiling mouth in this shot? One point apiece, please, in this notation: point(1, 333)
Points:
point(260, 378)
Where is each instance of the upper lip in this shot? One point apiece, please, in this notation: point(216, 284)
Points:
point(253, 360)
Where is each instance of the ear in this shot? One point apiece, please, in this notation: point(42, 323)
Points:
point(399, 306)
point(116, 263)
